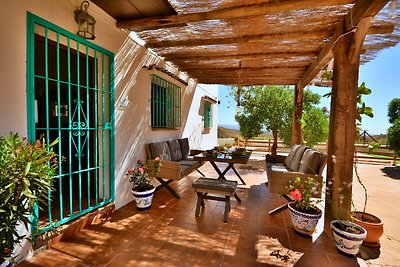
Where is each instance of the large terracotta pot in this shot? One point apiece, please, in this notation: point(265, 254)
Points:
point(347, 242)
point(373, 225)
point(303, 223)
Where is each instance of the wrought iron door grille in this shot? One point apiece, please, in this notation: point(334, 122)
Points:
point(70, 97)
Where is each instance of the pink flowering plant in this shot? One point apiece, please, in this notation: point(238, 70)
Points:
point(140, 177)
point(302, 192)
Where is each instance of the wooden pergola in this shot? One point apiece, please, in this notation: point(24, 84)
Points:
point(265, 42)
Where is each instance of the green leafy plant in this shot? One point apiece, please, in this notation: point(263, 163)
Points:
point(302, 192)
point(373, 146)
point(26, 176)
point(394, 130)
point(140, 177)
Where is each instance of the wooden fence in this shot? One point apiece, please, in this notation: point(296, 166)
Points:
point(381, 155)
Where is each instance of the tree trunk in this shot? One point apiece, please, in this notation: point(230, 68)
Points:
point(275, 144)
point(297, 136)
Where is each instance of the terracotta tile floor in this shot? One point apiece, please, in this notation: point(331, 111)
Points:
point(169, 234)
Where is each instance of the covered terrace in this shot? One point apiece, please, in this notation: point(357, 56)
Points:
point(273, 43)
point(242, 43)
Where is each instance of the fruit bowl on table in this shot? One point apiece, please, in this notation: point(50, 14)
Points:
point(210, 153)
point(239, 152)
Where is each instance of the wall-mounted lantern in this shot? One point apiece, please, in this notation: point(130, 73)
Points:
point(85, 21)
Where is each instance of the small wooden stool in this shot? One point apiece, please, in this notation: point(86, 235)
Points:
point(205, 186)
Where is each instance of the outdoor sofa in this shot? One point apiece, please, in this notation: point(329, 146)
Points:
point(301, 162)
point(176, 161)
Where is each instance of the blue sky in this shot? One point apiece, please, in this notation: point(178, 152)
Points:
point(381, 75)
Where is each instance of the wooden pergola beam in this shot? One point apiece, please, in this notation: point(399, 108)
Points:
point(263, 38)
point(361, 9)
point(246, 82)
point(226, 13)
point(190, 55)
point(260, 38)
point(359, 38)
point(291, 76)
point(236, 67)
point(255, 56)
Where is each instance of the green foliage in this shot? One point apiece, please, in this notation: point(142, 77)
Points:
point(302, 192)
point(373, 146)
point(249, 127)
point(269, 107)
point(315, 126)
point(362, 109)
point(394, 110)
point(26, 176)
point(140, 177)
point(315, 122)
point(394, 136)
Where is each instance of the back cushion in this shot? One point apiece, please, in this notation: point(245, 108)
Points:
point(310, 161)
point(290, 157)
point(161, 150)
point(175, 150)
point(295, 163)
point(184, 143)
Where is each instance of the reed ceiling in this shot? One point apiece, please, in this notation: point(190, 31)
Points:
point(247, 42)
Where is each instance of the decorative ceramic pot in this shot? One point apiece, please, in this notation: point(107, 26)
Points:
point(347, 242)
point(303, 223)
point(4, 263)
point(143, 199)
point(373, 225)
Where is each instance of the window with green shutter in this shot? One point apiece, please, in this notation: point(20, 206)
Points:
point(207, 115)
point(165, 103)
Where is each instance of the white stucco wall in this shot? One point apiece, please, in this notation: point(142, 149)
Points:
point(132, 125)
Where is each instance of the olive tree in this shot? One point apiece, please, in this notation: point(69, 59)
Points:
point(264, 107)
point(314, 122)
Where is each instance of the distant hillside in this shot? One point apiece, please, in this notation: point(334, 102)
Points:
point(227, 133)
point(232, 133)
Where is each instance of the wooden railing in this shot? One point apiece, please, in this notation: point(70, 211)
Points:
point(363, 154)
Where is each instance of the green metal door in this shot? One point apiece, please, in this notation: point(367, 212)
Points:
point(70, 97)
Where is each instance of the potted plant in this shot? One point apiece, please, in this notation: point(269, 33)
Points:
point(26, 176)
point(142, 188)
point(304, 213)
point(369, 222)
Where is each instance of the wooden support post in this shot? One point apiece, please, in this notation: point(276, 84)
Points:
point(297, 136)
point(342, 132)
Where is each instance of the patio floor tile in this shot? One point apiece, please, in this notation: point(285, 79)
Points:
point(170, 235)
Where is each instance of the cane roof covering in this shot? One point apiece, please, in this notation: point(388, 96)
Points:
point(247, 42)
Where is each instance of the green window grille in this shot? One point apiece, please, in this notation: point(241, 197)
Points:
point(165, 103)
point(70, 96)
point(207, 115)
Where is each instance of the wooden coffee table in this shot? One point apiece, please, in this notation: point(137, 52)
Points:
point(231, 159)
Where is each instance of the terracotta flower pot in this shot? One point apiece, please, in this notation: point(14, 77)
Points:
point(372, 224)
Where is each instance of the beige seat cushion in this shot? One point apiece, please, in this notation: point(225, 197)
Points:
point(175, 150)
point(290, 157)
point(295, 163)
point(310, 161)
